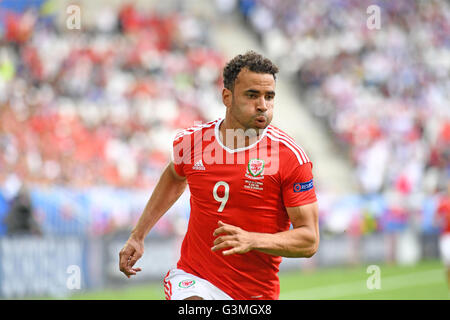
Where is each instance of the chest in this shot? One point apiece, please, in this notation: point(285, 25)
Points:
point(244, 184)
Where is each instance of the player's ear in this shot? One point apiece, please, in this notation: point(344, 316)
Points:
point(227, 96)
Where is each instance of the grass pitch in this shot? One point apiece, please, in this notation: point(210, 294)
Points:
point(423, 281)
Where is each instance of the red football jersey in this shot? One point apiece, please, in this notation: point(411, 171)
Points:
point(248, 187)
point(444, 212)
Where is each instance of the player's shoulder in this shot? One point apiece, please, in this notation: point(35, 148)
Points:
point(188, 132)
point(287, 145)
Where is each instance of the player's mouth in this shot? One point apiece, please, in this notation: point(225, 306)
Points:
point(261, 120)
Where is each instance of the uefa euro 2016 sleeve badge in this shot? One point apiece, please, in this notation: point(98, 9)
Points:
point(305, 186)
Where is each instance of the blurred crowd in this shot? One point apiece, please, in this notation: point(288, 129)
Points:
point(100, 106)
point(383, 92)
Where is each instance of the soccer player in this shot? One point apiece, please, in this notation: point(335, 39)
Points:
point(248, 182)
point(443, 218)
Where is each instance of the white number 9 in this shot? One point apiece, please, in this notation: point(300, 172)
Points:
point(223, 200)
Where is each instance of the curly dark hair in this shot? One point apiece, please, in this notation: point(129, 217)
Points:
point(252, 61)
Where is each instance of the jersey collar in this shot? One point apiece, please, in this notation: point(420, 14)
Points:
point(217, 136)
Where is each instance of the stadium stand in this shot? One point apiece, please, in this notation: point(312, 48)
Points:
point(384, 94)
point(98, 108)
point(87, 118)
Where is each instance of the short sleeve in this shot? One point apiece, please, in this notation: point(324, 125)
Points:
point(298, 184)
point(178, 154)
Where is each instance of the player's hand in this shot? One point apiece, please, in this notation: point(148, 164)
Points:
point(129, 255)
point(240, 241)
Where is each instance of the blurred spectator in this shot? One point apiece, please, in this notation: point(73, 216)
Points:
point(20, 219)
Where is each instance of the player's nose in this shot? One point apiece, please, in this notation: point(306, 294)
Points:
point(261, 105)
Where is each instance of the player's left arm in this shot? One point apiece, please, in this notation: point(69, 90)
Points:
point(301, 241)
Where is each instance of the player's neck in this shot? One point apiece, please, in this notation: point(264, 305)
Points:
point(235, 136)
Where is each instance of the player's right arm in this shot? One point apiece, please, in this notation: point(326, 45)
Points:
point(168, 189)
